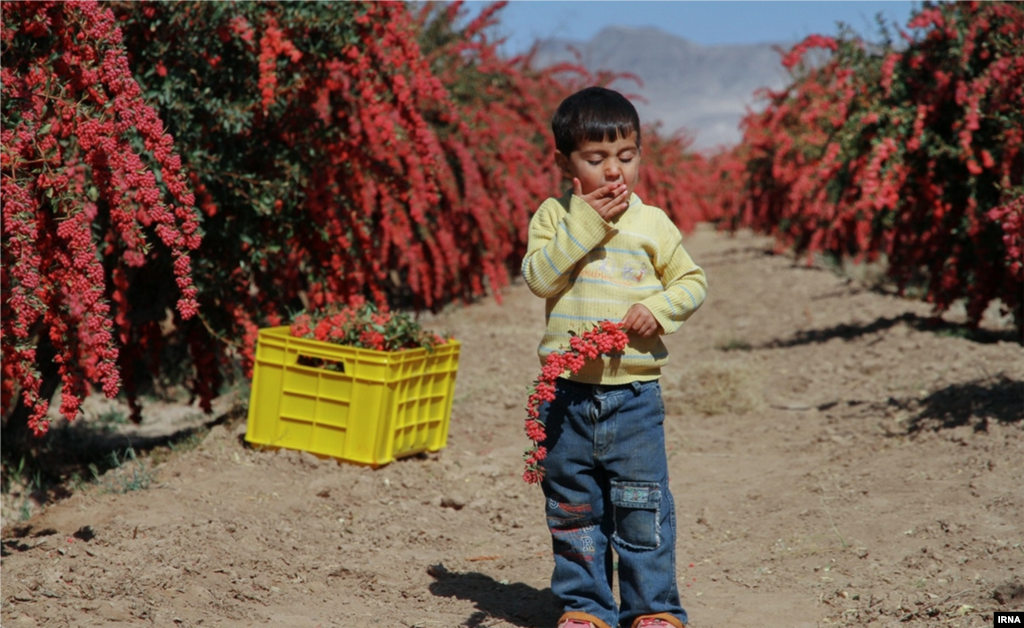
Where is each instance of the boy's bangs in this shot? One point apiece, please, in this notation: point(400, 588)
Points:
point(601, 130)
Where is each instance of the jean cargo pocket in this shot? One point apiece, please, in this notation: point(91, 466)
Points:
point(637, 514)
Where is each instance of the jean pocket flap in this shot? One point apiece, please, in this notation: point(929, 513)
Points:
point(642, 495)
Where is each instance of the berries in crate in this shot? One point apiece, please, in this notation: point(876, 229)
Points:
point(356, 384)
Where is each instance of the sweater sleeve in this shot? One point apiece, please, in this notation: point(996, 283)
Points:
point(558, 241)
point(685, 283)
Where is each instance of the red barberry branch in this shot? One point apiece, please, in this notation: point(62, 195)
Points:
point(605, 338)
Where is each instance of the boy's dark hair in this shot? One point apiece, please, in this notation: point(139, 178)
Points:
point(593, 114)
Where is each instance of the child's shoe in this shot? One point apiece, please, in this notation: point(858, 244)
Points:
point(575, 623)
point(653, 622)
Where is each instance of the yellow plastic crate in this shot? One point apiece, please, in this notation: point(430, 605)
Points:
point(376, 407)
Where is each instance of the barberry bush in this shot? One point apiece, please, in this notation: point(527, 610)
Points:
point(94, 196)
point(324, 155)
point(907, 149)
point(342, 153)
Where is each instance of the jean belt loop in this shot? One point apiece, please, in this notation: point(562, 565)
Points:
point(636, 387)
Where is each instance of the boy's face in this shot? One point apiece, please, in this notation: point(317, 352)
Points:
point(597, 164)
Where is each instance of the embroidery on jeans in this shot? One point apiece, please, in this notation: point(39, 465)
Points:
point(570, 532)
point(573, 544)
point(635, 494)
point(576, 509)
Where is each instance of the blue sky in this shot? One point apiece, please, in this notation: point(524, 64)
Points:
point(702, 22)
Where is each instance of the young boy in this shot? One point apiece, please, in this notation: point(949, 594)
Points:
point(599, 253)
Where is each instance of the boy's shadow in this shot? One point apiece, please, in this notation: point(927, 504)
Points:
point(516, 603)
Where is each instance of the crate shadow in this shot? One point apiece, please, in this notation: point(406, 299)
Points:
point(516, 603)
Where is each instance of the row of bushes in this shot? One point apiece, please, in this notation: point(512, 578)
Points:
point(177, 175)
point(909, 150)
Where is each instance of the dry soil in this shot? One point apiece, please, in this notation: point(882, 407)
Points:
point(838, 458)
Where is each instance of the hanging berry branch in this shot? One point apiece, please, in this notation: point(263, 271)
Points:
point(606, 338)
point(88, 178)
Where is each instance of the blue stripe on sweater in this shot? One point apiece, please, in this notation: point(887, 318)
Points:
point(579, 318)
point(637, 253)
point(671, 307)
point(562, 226)
point(602, 282)
point(551, 262)
point(689, 294)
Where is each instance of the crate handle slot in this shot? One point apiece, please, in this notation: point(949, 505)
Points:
point(317, 362)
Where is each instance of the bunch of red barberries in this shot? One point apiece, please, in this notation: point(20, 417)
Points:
point(604, 339)
point(365, 327)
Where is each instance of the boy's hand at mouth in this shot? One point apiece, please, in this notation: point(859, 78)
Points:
point(608, 200)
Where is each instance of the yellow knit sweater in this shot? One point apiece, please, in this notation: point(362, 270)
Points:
point(590, 270)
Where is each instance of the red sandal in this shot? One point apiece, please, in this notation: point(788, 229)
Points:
point(575, 623)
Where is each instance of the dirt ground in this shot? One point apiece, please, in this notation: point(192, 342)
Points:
point(838, 459)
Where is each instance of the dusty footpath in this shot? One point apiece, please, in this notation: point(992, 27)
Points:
point(837, 458)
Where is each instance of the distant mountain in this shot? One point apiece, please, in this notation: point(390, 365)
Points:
point(702, 89)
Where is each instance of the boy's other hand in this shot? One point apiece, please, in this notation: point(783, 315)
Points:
point(640, 321)
point(608, 200)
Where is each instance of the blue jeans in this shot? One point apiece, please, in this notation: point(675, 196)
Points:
point(606, 484)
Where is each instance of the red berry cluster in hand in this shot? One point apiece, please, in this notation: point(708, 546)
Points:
point(605, 338)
